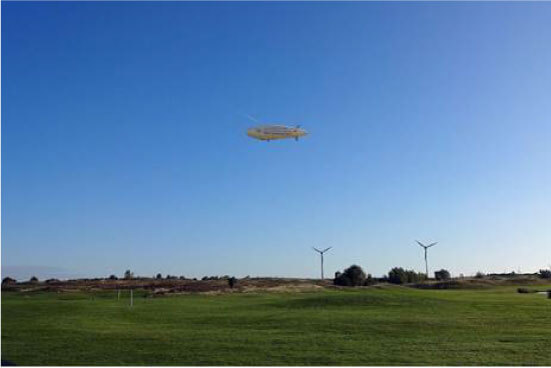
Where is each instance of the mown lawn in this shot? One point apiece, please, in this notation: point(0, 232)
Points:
point(375, 326)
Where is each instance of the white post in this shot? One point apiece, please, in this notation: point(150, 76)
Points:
point(131, 297)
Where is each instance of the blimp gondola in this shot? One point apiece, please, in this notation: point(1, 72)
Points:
point(270, 132)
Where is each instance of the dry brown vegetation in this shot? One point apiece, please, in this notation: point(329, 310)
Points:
point(482, 283)
point(164, 286)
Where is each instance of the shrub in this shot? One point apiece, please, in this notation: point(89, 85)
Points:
point(479, 275)
point(205, 278)
point(159, 276)
point(33, 279)
point(398, 275)
point(523, 290)
point(442, 275)
point(545, 274)
point(352, 276)
point(231, 281)
point(113, 277)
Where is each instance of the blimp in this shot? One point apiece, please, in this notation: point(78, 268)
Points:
point(270, 132)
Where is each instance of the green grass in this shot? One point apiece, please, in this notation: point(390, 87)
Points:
point(388, 326)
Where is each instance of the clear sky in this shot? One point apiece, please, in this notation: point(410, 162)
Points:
point(124, 145)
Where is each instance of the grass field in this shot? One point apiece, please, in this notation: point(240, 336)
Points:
point(373, 326)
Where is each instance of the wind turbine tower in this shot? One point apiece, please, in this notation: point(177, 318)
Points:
point(425, 247)
point(321, 254)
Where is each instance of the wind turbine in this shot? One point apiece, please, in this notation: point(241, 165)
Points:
point(426, 247)
point(321, 254)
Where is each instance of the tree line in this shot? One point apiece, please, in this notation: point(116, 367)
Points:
point(352, 276)
point(355, 276)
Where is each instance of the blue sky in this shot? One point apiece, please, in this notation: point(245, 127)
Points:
point(124, 145)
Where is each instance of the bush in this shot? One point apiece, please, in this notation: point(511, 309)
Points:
point(231, 281)
point(159, 276)
point(479, 275)
point(33, 279)
point(352, 276)
point(369, 280)
point(442, 275)
point(113, 277)
point(523, 290)
point(545, 274)
point(398, 275)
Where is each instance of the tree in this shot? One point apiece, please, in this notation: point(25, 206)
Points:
point(352, 276)
point(545, 274)
point(479, 275)
point(398, 275)
point(113, 277)
point(8, 281)
point(442, 275)
point(232, 281)
point(159, 276)
point(34, 279)
point(128, 275)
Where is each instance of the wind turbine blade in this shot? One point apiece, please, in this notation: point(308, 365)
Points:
point(430, 245)
point(316, 249)
point(421, 244)
point(326, 249)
